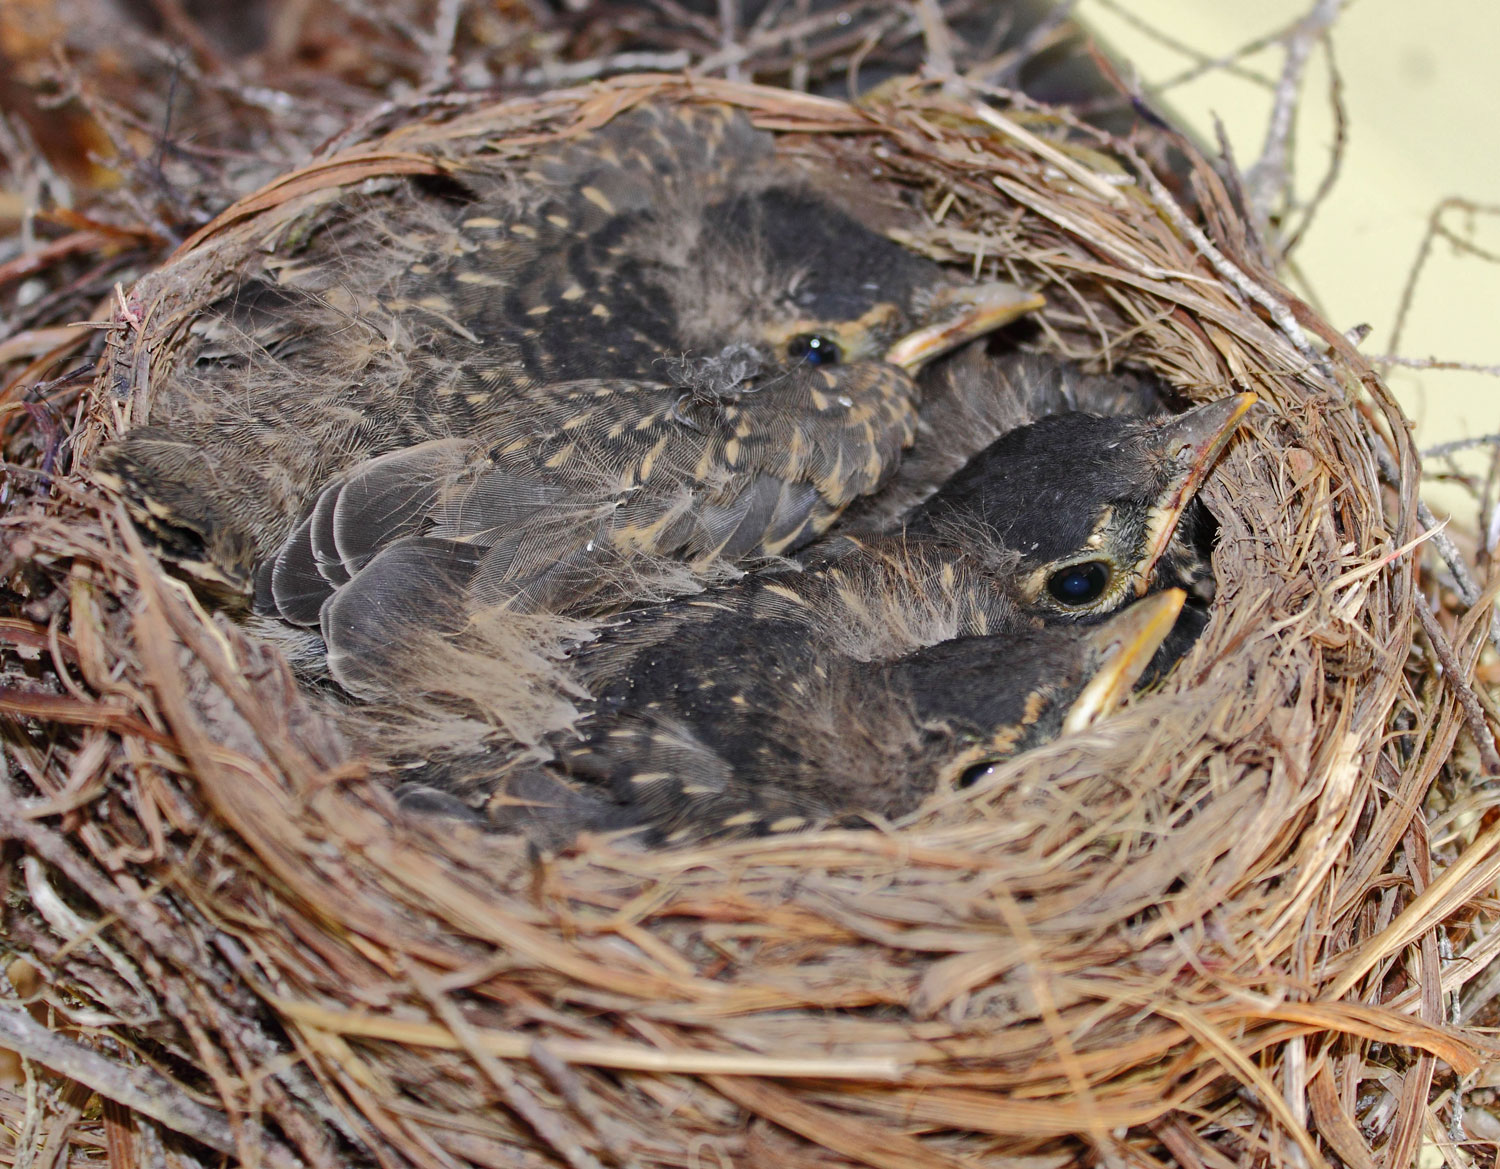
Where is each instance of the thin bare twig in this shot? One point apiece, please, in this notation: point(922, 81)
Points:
point(1269, 177)
point(555, 73)
point(1454, 678)
point(1435, 229)
point(440, 45)
point(138, 1088)
point(791, 33)
point(729, 26)
point(1463, 580)
point(28, 1140)
point(1433, 363)
point(938, 39)
point(1205, 63)
point(1335, 156)
point(1444, 449)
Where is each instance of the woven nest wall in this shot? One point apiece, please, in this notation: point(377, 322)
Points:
point(1185, 935)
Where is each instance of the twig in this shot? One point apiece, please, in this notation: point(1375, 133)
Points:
point(1435, 229)
point(1453, 558)
point(1446, 548)
point(801, 71)
point(670, 9)
point(555, 73)
point(792, 32)
point(1205, 63)
point(1269, 176)
point(1489, 512)
point(179, 24)
point(138, 1088)
point(1467, 247)
point(1336, 153)
point(26, 1141)
point(1454, 676)
point(729, 25)
point(1227, 64)
point(1434, 363)
point(440, 45)
point(1444, 449)
point(938, 39)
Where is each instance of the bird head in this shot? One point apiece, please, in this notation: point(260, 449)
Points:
point(784, 273)
point(988, 698)
point(672, 244)
point(726, 289)
point(1097, 508)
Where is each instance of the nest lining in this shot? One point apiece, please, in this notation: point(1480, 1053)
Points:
point(1093, 948)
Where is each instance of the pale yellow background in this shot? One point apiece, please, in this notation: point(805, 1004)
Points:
point(1422, 97)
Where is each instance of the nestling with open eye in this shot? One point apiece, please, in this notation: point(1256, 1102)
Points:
point(792, 700)
point(1099, 509)
point(653, 338)
point(748, 707)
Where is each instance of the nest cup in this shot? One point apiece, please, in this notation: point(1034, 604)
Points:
point(1171, 937)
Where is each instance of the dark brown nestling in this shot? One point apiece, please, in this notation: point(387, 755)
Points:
point(1015, 542)
point(653, 338)
point(796, 700)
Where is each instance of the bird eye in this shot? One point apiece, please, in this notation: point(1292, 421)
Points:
point(974, 774)
point(813, 349)
point(1079, 584)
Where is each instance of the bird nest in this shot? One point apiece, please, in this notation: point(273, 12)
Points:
point(1207, 930)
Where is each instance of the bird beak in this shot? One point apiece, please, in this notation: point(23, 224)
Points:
point(1195, 440)
point(1124, 645)
point(963, 313)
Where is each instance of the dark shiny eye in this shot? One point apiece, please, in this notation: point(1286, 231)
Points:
point(974, 774)
point(813, 349)
point(1079, 584)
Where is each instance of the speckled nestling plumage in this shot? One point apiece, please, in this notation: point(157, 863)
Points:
point(796, 696)
point(653, 338)
point(789, 700)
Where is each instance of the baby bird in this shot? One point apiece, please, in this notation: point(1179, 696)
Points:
point(653, 338)
point(858, 683)
point(797, 699)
